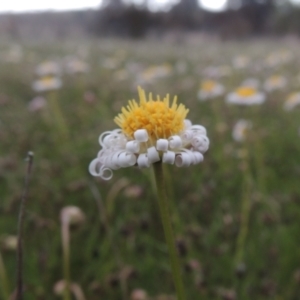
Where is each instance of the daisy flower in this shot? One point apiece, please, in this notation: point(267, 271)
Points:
point(240, 62)
point(210, 89)
point(275, 82)
point(76, 66)
point(292, 101)
point(240, 130)
point(47, 83)
point(246, 95)
point(153, 73)
point(150, 131)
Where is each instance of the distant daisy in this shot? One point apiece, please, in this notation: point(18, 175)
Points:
point(153, 73)
point(76, 66)
point(275, 82)
point(240, 62)
point(240, 130)
point(246, 95)
point(47, 83)
point(292, 101)
point(210, 89)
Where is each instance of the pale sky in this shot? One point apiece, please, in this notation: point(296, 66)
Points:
point(38, 5)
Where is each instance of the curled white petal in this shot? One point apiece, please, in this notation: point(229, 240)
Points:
point(201, 143)
point(133, 146)
point(187, 135)
point(175, 142)
point(187, 123)
point(106, 174)
point(169, 157)
point(102, 137)
point(95, 167)
point(162, 145)
point(111, 161)
point(126, 159)
point(199, 129)
point(143, 161)
point(153, 155)
point(183, 159)
point(141, 135)
point(191, 154)
point(197, 157)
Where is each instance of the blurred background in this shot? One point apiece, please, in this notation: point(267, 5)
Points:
point(66, 70)
point(149, 18)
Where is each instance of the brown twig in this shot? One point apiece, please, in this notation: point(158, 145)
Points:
point(19, 290)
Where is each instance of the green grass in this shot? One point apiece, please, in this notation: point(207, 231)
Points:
point(206, 198)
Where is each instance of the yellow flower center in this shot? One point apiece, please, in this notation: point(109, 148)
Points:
point(275, 79)
point(208, 85)
point(47, 80)
point(293, 97)
point(158, 117)
point(246, 91)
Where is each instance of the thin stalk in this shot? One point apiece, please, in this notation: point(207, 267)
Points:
point(245, 213)
point(3, 279)
point(58, 116)
point(166, 221)
point(66, 258)
point(19, 292)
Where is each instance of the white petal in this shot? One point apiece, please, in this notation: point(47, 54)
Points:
point(199, 129)
point(187, 123)
point(162, 145)
point(126, 159)
point(102, 138)
point(141, 135)
point(201, 143)
point(175, 142)
point(153, 155)
point(198, 157)
point(187, 135)
point(106, 174)
point(168, 157)
point(95, 167)
point(183, 159)
point(143, 161)
point(133, 146)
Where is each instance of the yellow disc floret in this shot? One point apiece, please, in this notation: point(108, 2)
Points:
point(246, 91)
point(158, 117)
point(208, 85)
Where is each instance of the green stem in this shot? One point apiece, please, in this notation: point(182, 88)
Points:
point(58, 116)
point(66, 259)
point(3, 279)
point(245, 213)
point(166, 221)
point(19, 289)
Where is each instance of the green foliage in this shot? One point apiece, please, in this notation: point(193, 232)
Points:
point(121, 237)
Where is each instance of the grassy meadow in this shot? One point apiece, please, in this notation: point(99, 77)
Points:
point(236, 215)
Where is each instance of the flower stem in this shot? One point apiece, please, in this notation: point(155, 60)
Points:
point(3, 279)
point(66, 258)
point(19, 289)
point(166, 221)
point(245, 212)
